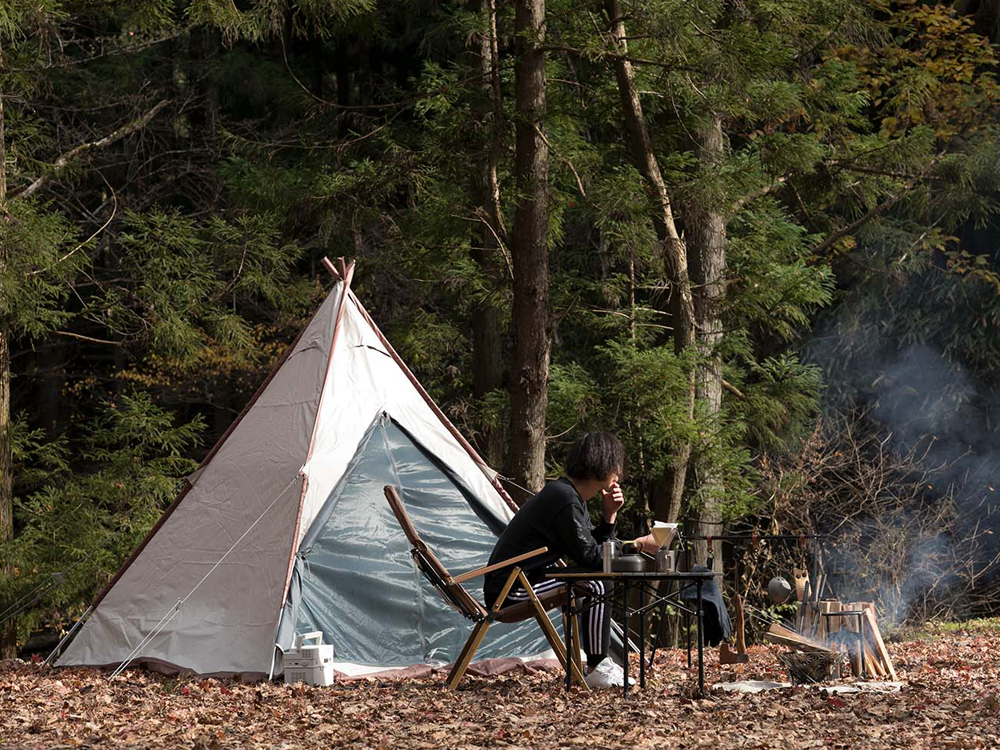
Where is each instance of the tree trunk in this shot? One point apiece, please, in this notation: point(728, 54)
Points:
point(670, 490)
point(529, 393)
point(8, 632)
point(706, 227)
point(487, 336)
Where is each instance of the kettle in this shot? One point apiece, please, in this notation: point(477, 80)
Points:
point(630, 560)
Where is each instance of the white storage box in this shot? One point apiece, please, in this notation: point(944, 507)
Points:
point(307, 662)
point(321, 675)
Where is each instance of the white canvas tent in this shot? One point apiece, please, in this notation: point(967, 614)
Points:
point(284, 527)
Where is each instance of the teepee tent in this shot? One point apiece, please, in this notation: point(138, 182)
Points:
point(283, 528)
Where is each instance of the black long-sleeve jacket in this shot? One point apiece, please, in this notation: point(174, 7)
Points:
point(556, 518)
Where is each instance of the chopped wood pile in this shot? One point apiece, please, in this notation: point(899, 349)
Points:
point(829, 626)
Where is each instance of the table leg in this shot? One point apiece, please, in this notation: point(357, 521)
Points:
point(687, 635)
point(568, 632)
point(658, 636)
point(642, 636)
point(701, 643)
point(625, 588)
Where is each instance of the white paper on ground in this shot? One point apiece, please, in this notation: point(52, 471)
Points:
point(862, 687)
point(750, 686)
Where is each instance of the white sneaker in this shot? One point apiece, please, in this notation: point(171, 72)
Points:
point(607, 674)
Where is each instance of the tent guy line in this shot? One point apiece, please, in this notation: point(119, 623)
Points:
point(31, 597)
point(180, 602)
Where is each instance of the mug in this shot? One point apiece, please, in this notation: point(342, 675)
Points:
point(665, 561)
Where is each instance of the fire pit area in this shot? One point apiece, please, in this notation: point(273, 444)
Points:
point(829, 636)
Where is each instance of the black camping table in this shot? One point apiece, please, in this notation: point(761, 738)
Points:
point(653, 598)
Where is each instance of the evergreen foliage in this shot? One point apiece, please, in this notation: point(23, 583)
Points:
point(174, 172)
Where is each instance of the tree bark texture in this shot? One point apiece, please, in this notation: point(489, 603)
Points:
point(670, 490)
point(487, 319)
point(531, 315)
point(706, 225)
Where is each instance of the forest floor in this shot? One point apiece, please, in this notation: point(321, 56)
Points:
point(951, 700)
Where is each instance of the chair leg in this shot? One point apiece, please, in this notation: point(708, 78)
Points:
point(478, 633)
point(574, 623)
point(511, 579)
point(557, 645)
point(468, 651)
point(552, 636)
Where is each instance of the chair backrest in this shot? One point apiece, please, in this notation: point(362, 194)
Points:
point(430, 566)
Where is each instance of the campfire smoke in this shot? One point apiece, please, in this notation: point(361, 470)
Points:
point(903, 472)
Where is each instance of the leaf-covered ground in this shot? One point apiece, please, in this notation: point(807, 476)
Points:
point(952, 700)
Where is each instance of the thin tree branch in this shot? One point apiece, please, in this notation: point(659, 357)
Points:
point(758, 193)
point(61, 163)
point(3, 158)
point(880, 208)
point(579, 182)
point(601, 54)
point(734, 390)
point(848, 167)
point(104, 226)
point(119, 50)
point(87, 338)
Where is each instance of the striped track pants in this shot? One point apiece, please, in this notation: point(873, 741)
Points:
point(596, 625)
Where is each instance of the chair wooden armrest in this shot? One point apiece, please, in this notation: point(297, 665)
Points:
point(496, 566)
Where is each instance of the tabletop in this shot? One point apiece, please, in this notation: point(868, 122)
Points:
point(598, 575)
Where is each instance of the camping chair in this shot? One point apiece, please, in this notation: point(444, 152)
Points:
point(450, 587)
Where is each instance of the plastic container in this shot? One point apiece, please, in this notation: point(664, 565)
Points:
point(315, 675)
point(305, 654)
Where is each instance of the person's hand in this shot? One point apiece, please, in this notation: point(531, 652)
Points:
point(648, 543)
point(613, 499)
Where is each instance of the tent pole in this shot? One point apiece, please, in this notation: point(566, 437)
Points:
point(348, 271)
point(423, 394)
point(188, 485)
point(66, 637)
point(274, 651)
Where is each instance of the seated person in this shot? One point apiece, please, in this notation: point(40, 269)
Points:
point(557, 518)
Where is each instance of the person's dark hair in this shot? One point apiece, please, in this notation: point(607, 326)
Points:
point(595, 456)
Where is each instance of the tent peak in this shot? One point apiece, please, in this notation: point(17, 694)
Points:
point(341, 269)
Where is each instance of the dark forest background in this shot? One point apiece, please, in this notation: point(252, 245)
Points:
point(757, 239)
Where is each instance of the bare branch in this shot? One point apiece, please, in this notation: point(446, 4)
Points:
point(87, 338)
point(879, 209)
point(758, 193)
point(734, 390)
point(579, 182)
point(74, 153)
point(103, 226)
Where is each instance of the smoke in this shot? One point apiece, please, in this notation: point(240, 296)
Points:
point(937, 512)
point(932, 408)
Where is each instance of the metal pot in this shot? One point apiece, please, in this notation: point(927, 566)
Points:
point(633, 563)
